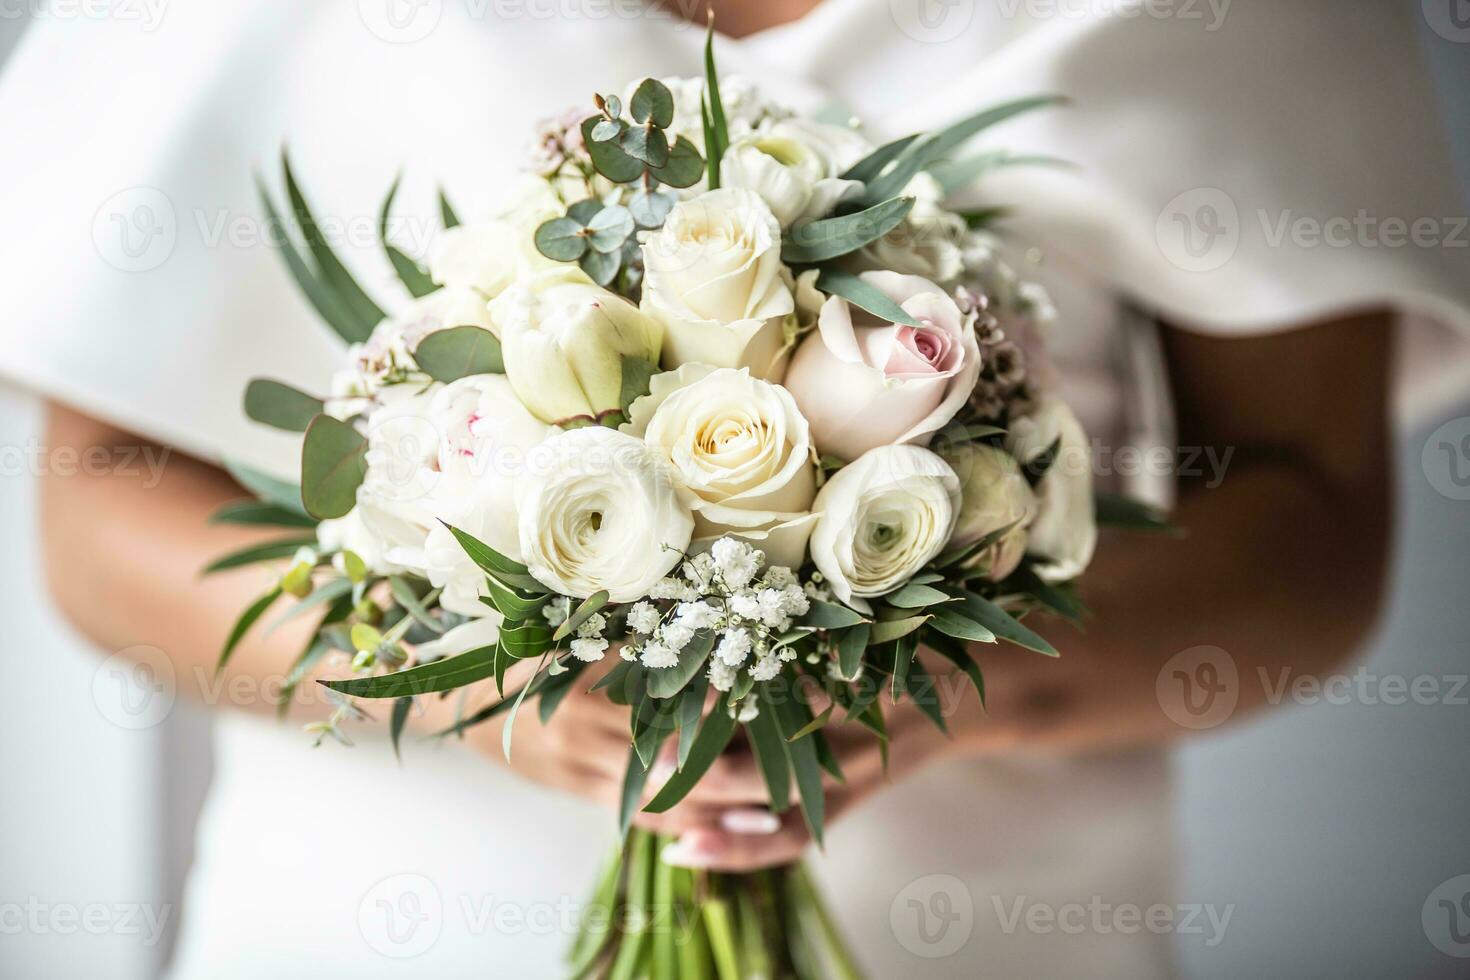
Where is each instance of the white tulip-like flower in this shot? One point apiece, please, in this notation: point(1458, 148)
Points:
point(883, 517)
point(1065, 528)
point(794, 166)
point(714, 280)
point(564, 339)
point(742, 448)
point(862, 383)
point(601, 510)
point(995, 496)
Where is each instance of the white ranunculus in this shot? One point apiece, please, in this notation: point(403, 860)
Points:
point(742, 448)
point(995, 496)
point(487, 256)
point(714, 279)
point(484, 435)
point(863, 383)
point(1065, 529)
point(601, 510)
point(794, 166)
point(926, 243)
point(883, 517)
point(564, 339)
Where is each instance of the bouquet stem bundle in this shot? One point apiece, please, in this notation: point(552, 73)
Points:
point(650, 919)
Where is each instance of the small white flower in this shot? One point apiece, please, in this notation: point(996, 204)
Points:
point(676, 636)
point(746, 605)
point(794, 601)
point(644, 617)
point(696, 615)
point(556, 611)
point(700, 571)
point(772, 604)
point(734, 647)
point(779, 577)
point(657, 655)
point(817, 591)
point(671, 588)
point(765, 668)
point(737, 561)
point(628, 654)
point(721, 675)
point(592, 626)
point(749, 709)
point(834, 671)
point(589, 649)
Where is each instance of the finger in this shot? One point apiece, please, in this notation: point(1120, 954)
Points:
point(733, 779)
point(719, 850)
point(750, 821)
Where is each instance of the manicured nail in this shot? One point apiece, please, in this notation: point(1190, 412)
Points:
point(750, 821)
point(681, 854)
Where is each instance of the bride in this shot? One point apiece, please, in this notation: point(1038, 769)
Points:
point(1194, 314)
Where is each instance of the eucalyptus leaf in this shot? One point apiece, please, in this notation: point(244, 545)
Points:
point(685, 165)
point(863, 295)
point(584, 210)
point(607, 129)
point(260, 513)
point(588, 608)
point(601, 267)
point(561, 239)
point(649, 209)
point(830, 616)
point(279, 405)
point(1003, 624)
point(333, 465)
point(609, 158)
point(913, 596)
point(872, 165)
point(459, 352)
point(819, 241)
point(609, 228)
point(525, 640)
point(638, 375)
point(850, 649)
point(889, 630)
point(653, 102)
point(951, 622)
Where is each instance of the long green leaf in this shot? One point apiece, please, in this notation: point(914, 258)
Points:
point(242, 625)
point(487, 557)
point(872, 165)
point(406, 597)
point(268, 551)
point(257, 513)
point(328, 305)
point(401, 708)
point(585, 611)
point(765, 742)
point(279, 405)
point(268, 488)
point(691, 707)
point(956, 654)
point(718, 128)
point(791, 718)
point(819, 241)
point(328, 592)
point(413, 276)
point(333, 273)
point(830, 616)
point(850, 649)
point(446, 211)
point(714, 735)
point(440, 675)
point(862, 295)
point(333, 466)
point(1003, 624)
point(1116, 510)
point(669, 681)
point(515, 709)
point(951, 622)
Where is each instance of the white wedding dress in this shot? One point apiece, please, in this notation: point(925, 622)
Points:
point(139, 289)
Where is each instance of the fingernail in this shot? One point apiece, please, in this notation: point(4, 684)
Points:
point(682, 854)
point(750, 821)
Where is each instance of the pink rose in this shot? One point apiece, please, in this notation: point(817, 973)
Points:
point(863, 383)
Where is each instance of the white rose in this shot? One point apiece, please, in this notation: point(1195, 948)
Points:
point(794, 166)
point(487, 256)
point(484, 435)
point(714, 279)
point(741, 446)
point(864, 383)
point(1065, 529)
point(564, 339)
point(601, 510)
point(883, 517)
point(995, 496)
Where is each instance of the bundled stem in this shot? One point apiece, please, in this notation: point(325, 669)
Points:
point(648, 920)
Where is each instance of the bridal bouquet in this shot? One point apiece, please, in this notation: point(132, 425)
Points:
point(726, 399)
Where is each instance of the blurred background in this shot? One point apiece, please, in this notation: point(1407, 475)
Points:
point(1333, 829)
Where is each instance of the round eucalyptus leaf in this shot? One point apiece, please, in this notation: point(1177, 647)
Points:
point(609, 158)
point(610, 228)
point(600, 266)
point(653, 102)
point(584, 209)
point(685, 165)
point(647, 143)
point(613, 105)
point(562, 239)
point(607, 129)
point(650, 209)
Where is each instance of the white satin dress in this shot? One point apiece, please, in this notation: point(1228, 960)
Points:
point(146, 296)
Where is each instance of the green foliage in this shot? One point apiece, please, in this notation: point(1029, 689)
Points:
point(829, 238)
point(333, 465)
point(413, 276)
point(279, 405)
point(860, 294)
point(459, 352)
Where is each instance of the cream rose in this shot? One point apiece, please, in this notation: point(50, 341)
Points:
point(714, 279)
point(601, 510)
point(862, 383)
point(994, 496)
point(882, 518)
point(1065, 529)
point(564, 339)
point(742, 448)
point(794, 166)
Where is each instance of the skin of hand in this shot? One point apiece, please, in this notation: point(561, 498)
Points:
point(1282, 567)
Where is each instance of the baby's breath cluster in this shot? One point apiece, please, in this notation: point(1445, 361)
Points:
point(725, 592)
